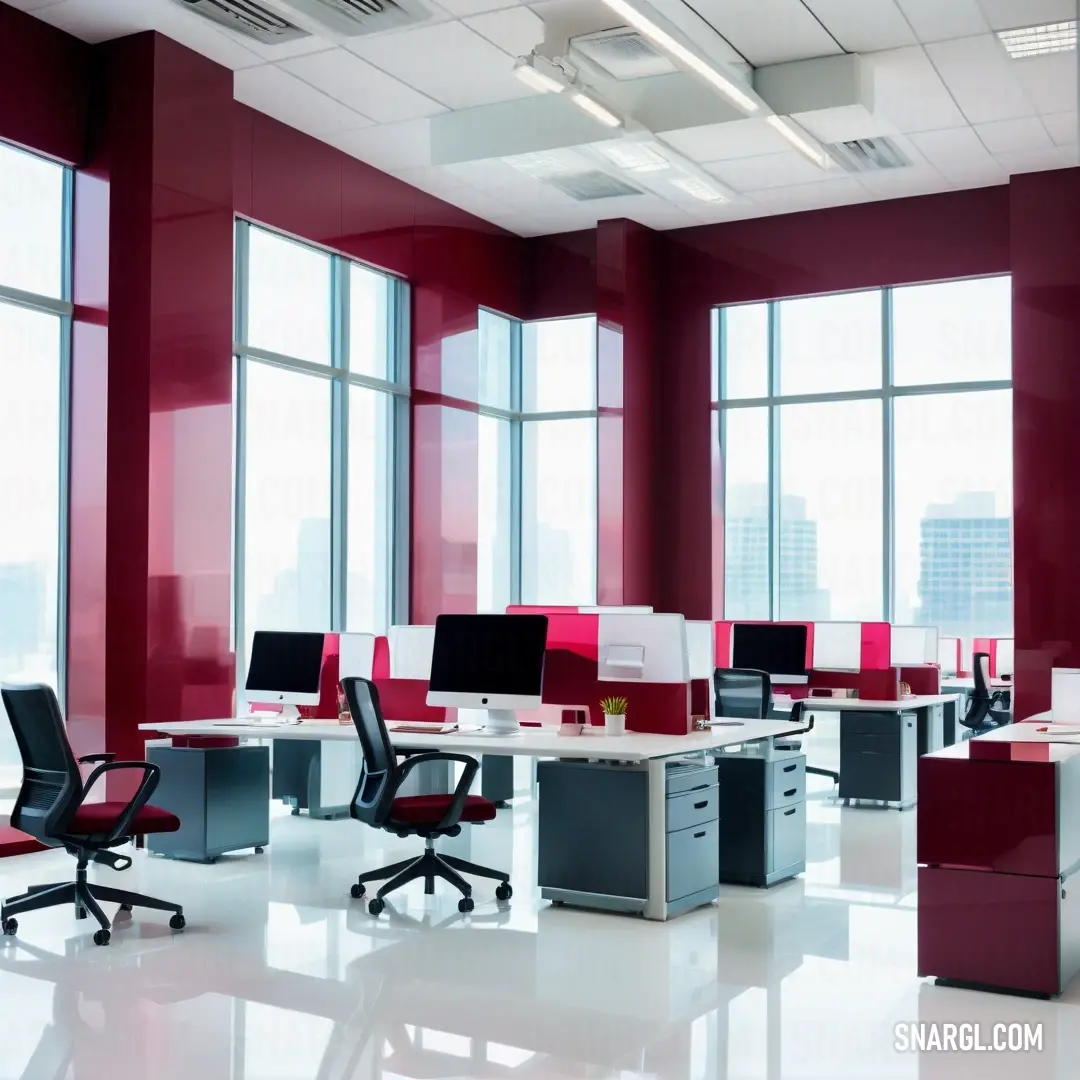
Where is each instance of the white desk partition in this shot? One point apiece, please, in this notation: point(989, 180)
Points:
point(914, 645)
point(701, 649)
point(1005, 657)
point(632, 610)
point(410, 651)
point(947, 656)
point(837, 646)
point(662, 639)
point(357, 656)
point(1065, 695)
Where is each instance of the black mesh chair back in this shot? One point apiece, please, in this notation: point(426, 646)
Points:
point(375, 791)
point(742, 693)
point(52, 783)
point(982, 715)
point(982, 675)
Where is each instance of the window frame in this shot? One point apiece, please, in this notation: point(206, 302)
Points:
point(887, 394)
point(341, 379)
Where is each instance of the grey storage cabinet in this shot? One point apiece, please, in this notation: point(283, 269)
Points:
point(878, 757)
point(762, 826)
point(593, 842)
point(220, 795)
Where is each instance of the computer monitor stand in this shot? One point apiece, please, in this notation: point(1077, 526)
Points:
point(288, 712)
point(501, 722)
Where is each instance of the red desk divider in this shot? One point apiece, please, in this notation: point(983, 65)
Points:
point(405, 701)
point(922, 678)
point(579, 633)
point(722, 644)
point(380, 664)
point(700, 689)
point(876, 650)
point(986, 645)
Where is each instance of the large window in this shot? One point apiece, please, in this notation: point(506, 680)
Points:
point(322, 407)
point(866, 448)
point(558, 486)
point(35, 313)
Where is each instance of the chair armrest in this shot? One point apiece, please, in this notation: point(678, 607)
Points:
point(151, 775)
point(461, 792)
point(798, 710)
point(89, 759)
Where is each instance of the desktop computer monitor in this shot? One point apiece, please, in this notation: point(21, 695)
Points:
point(492, 662)
point(771, 647)
point(284, 669)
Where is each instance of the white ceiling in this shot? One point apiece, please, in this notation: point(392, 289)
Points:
point(962, 112)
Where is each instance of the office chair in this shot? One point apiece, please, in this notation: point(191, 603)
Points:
point(376, 803)
point(745, 693)
point(982, 716)
point(52, 808)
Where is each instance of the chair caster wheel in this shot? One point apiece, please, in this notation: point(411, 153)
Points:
point(259, 850)
point(10, 927)
point(504, 892)
point(376, 906)
point(102, 937)
point(126, 907)
point(177, 922)
point(296, 811)
point(357, 891)
point(465, 905)
point(556, 903)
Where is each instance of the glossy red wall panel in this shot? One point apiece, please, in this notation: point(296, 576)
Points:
point(44, 84)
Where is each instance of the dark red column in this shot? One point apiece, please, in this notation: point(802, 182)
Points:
point(1045, 258)
point(626, 292)
point(151, 506)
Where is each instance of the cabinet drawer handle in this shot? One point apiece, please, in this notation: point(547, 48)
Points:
point(790, 768)
point(699, 835)
point(788, 813)
point(791, 792)
point(701, 805)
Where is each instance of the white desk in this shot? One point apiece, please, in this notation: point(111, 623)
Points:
point(966, 685)
point(646, 752)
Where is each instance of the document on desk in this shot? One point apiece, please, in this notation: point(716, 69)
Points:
point(424, 729)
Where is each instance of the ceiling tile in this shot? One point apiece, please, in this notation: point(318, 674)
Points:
point(811, 196)
point(721, 142)
point(461, 8)
point(959, 156)
point(1006, 14)
point(362, 87)
point(286, 98)
point(909, 93)
point(1021, 161)
point(30, 5)
point(981, 78)
point(1064, 127)
point(1003, 136)
point(515, 30)
point(865, 26)
point(1048, 81)
point(100, 20)
point(918, 179)
point(772, 170)
point(434, 179)
point(389, 147)
point(448, 62)
point(769, 31)
point(939, 20)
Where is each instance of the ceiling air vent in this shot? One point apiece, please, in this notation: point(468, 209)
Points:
point(595, 184)
point(248, 18)
point(868, 155)
point(623, 53)
point(351, 18)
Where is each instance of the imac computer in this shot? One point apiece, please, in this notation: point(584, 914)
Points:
point(284, 669)
point(492, 662)
point(775, 648)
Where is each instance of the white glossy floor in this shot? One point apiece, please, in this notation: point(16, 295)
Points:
point(280, 976)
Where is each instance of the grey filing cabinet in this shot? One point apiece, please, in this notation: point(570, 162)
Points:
point(762, 826)
point(593, 842)
point(879, 756)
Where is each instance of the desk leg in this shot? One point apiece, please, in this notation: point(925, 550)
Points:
point(656, 901)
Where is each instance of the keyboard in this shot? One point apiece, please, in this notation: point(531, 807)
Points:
point(424, 729)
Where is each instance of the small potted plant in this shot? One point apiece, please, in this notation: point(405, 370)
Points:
point(614, 715)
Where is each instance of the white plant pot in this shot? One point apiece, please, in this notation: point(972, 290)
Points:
point(615, 725)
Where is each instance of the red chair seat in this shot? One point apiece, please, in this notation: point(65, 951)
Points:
point(94, 819)
point(431, 809)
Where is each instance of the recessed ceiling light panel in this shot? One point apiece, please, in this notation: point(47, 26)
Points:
point(1028, 41)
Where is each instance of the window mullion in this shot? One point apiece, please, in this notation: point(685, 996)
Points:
point(339, 442)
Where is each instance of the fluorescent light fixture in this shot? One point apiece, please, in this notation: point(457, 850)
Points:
point(700, 189)
point(727, 85)
point(801, 140)
point(636, 157)
point(595, 109)
point(1027, 41)
point(527, 70)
